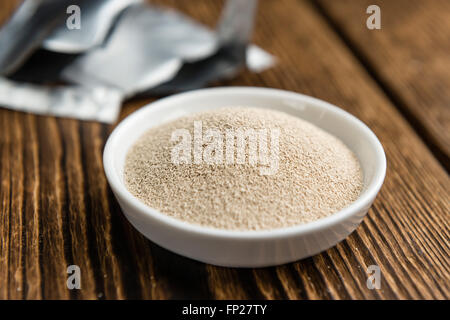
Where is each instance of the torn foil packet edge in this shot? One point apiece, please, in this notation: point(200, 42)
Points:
point(100, 104)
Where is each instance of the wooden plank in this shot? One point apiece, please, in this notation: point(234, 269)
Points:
point(76, 229)
point(5, 207)
point(409, 55)
point(32, 269)
point(53, 258)
point(56, 196)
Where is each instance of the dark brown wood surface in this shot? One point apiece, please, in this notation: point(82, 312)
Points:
point(56, 208)
point(408, 57)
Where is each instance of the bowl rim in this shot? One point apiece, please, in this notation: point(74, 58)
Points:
point(358, 205)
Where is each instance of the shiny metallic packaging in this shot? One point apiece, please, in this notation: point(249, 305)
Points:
point(85, 103)
point(124, 48)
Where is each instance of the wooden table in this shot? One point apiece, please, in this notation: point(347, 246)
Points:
point(56, 208)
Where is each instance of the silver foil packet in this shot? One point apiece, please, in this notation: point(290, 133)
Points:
point(124, 48)
point(96, 103)
point(97, 18)
point(32, 22)
point(148, 48)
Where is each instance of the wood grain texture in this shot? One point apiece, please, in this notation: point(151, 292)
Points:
point(409, 55)
point(56, 208)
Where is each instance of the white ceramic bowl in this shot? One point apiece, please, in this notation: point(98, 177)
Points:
point(246, 248)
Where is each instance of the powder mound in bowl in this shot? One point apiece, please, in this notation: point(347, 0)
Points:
point(197, 169)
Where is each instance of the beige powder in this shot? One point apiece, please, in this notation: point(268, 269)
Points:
point(317, 174)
